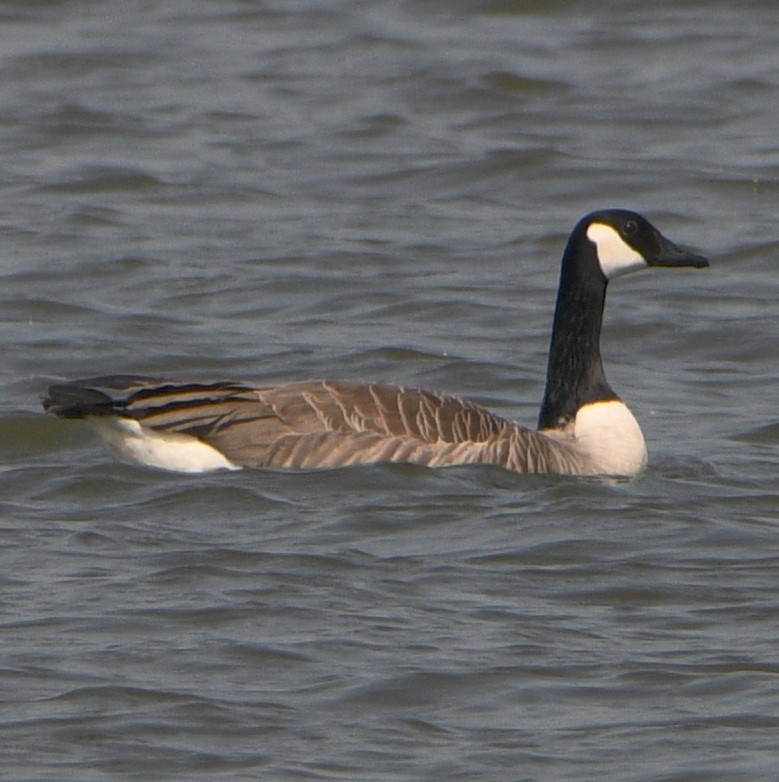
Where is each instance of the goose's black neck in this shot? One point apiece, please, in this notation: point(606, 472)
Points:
point(575, 374)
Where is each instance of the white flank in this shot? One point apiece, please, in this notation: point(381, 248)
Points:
point(611, 438)
point(614, 254)
point(132, 442)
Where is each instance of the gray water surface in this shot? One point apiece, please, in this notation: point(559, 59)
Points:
point(382, 191)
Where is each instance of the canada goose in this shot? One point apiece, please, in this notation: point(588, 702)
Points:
point(583, 429)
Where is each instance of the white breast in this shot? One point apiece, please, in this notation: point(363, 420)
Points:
point(611, 438)
point(132, 442)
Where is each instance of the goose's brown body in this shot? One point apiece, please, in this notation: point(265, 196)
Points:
point(321, 424)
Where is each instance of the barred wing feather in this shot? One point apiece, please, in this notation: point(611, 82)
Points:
point(316, 424)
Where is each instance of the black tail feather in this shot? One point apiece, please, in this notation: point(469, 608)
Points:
point(69, 400)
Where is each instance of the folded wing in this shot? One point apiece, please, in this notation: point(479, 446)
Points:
point(318, 424)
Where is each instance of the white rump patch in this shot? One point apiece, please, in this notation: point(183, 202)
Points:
point(615, 255)
point(132, 442)
point(609, 435)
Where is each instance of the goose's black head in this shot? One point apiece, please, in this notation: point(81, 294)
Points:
point(603, 245)
point(620, 241)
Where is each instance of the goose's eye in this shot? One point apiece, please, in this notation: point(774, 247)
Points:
point(630, 227)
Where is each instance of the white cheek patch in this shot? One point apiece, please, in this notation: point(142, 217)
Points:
point(614, 254)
